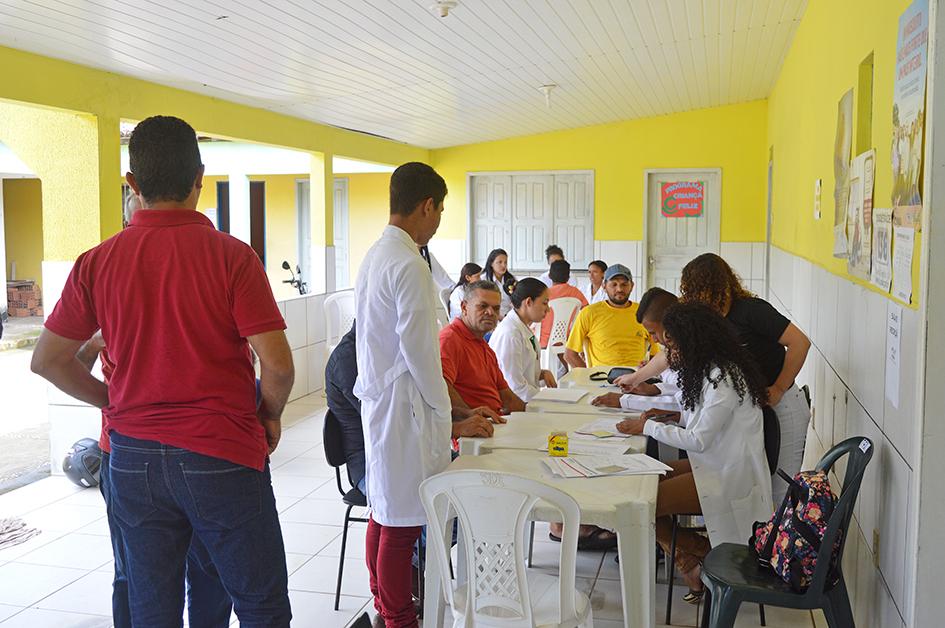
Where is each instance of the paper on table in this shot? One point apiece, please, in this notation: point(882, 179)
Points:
point(641, 403)
point(567, 395)
point(599, 466)
point(603, 428)
point(594, 447)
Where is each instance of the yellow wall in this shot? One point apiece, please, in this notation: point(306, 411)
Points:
point(106, 98)
point(281, 223)
point(822, 64)
point(368, 212)
point(731, 138)
point(23, 227)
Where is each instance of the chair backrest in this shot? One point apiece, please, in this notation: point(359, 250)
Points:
point(333, 443)
point(859, 451)
point(493, 509)
point(339, 316)
point(772, 433)
point(563, 312)
point(445, 299)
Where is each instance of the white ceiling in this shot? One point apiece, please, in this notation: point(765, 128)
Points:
point(395, 69)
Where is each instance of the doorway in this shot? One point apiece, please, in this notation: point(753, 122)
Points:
point(257, 214)
point(682, 220)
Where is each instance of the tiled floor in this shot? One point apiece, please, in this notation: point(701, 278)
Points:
point(62, 578)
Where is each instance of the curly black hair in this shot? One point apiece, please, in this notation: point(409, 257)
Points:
point(699, 341)
point(709, 279)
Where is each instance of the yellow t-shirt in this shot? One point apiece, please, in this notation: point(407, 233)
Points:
point(610, 336)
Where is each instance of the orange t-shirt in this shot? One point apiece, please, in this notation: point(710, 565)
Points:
point(558, 291)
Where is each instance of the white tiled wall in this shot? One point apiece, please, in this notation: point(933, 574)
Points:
point(846, 373)
point(747, 259)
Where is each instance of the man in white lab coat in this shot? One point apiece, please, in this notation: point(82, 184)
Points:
point(405, 407)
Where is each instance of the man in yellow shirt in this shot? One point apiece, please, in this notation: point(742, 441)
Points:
point(607, 332)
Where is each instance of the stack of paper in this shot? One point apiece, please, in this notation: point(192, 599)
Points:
point(603, 428)
point(599, 466)
point(564, 395)
point(642, 403)
point(590, 446)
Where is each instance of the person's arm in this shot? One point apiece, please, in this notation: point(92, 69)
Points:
point(415, 327)
point(88, 352)
point(797, 345)
point(575, 345)
point(276, 376)
point(474, 426)
point(573, 358)
point(55, 359)
point(510, 401)
point(653, 368)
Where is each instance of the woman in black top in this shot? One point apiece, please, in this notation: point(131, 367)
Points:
point(496, 270)
point(778, 346)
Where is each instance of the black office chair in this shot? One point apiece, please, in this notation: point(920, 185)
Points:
point(335, 455)
point(732, 574)
point(772, 440)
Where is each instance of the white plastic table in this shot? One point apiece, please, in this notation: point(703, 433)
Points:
point(626, 504)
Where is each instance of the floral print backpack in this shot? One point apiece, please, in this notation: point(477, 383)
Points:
point(789, 543)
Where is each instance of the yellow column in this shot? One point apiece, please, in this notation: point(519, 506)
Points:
point(111, 177)
point(322, 213)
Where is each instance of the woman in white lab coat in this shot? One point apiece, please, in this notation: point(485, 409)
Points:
point(726, 477)
point(470, 273)
point(515, 344)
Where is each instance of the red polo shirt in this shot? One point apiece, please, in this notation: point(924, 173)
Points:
point(470, 366)
point(175, 300)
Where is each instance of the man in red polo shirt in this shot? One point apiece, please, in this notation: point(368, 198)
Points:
point(470, 367)
point(179, 304)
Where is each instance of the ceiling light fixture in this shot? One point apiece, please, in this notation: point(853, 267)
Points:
point(546, 90)
point(443, 7)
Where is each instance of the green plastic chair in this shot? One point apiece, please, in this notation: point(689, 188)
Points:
point(732, 575)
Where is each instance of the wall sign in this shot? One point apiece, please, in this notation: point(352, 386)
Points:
point(682, 199)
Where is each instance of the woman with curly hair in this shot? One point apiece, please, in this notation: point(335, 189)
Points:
point(496, 270)
point(777, 345)
point(726, 477)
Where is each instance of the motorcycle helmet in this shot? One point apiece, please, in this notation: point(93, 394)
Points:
point(83, 462)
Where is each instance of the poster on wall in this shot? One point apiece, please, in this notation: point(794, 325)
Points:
point(860, 215)
point(682, 199)
point(903, 248)
point(881, 268)
point(909, 113)
point(841, 172)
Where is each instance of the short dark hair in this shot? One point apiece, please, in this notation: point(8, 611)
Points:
point(654, 303)
point(553, 249)
point(411, 184)
point(164, 158)
point(527, 288)
point(600, 264)
point(560, 271)
point(482, 284)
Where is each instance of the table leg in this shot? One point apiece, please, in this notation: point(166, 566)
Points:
point(636, 537)
point(434, 604)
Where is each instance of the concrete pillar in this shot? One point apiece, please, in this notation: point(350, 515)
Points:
point(321, 210)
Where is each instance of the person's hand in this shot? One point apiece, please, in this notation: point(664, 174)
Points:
point(548, 379)
point(645, 389)
point(489, 413)
point(608, 400)
point(663, 416)
point(273, 429)
point(476, 426)
point(774, 395)
point(96, 342)
point(633, 427)
point(628, 382)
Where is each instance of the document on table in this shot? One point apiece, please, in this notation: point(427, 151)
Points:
point(603, 428)
point(599, 466)
point(564, 395)
point(641, 403)
point(579, 445)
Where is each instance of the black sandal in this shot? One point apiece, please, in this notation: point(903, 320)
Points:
point(694, 597)
point(596, 541)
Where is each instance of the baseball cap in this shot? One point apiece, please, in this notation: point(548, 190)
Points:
point(617, 269)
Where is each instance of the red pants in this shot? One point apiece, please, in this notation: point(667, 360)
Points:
point(389, 551)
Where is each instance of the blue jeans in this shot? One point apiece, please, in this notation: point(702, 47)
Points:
point(163, 496)
point(208, 603)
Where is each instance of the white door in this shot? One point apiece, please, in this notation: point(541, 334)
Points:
point(574, 218)
point(532, 212)
point(491, 215)
point(340, 237)
point(672, 237)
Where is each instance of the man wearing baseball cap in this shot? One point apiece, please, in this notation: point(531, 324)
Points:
point(607, 332)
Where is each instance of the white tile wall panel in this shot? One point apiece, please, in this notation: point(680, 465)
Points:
point(874, 397)
point(296, 322)
point(300, 360)
point(738, 256)
point(758, 260)
point(895, 484)
point(899, 424)
point(315, 318)
point(316, 367)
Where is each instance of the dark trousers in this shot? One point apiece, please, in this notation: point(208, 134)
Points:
point(388, 560)
point(161, 498)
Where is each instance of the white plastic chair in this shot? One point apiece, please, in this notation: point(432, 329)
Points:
point(443, 313)
point(563, 314)
point(497, 591)
point(339, 317)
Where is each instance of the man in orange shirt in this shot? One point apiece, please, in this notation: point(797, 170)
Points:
point(560, 273)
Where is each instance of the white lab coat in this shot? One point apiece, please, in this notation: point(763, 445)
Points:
point(405, 407)
point(505, 305)
point(517, 356)
point(456, 302)
point(725, 442)
point(600, 295)
point(440, 277)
